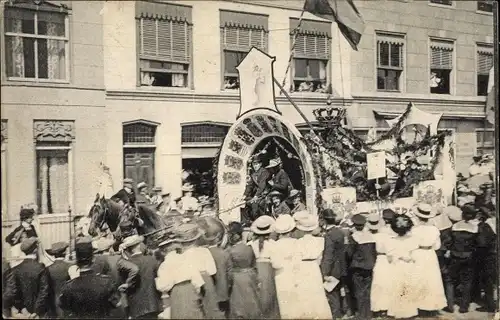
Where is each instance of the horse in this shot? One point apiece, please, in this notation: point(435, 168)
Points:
point(110, 212)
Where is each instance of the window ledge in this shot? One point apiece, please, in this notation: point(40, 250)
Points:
point(486, 13)
point(452, 6)
point(165, 89)
point(36, 82)
point(309, 94)
point(232, 92)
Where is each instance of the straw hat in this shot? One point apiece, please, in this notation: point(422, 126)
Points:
point(453, 212)
point(309, 223)
point(301, 215)
point(141, 185)
point(157, 189)
point(284, 224)
point(263, 225)
point(102, 244)
point(127, 182)
point(187, 187)
point(294, 193)
point(273, 163)
point(374, 221)
point(425, 211)
point(188, 232)
point(131, 241)
point(275, 194)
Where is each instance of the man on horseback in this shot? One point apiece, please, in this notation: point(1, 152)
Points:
point(126, 194)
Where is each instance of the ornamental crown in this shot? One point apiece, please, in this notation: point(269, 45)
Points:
point(330, 117)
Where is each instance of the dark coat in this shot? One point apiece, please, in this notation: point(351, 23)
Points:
point(15, 236)
point(282, 208)
point(333, 262)
point(123, 194)
point(7, 281)
point(89, 296)
point(281, 182)
point(144, 298)
point(58, 275)
point(361, 251)
point(101, 265)
point(258, 183)
point(464, 239)
point(121, 270)
point(221, 278)
point(29, 288)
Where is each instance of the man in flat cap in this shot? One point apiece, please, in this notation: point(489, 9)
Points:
point(361, 254)
point(90, 294)
point(29, 292)
point(58, 275)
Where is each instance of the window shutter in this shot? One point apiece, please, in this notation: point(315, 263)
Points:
point(148, 37)
point(390, 50)
point(240, 31)
point(484, 61)
point(441, 55)
point(311, 47)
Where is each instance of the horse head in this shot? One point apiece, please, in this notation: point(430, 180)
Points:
point(98, 213)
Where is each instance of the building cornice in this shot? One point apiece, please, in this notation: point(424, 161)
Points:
point(438, 100)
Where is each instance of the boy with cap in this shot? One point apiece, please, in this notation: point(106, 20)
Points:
point(58, 275)
point(333, 263)
point(30, 289)
point(361, 255)
point(464, 242)
point(90, 294)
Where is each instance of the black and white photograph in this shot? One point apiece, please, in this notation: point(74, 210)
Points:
point(249, 159)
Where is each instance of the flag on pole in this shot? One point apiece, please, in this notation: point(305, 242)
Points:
point(490, 100)
point(344, 13)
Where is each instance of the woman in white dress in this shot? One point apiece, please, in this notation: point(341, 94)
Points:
point(284, 261)
point(309, 285)
point(404, 293)
point(426, 262)
point(380, 290)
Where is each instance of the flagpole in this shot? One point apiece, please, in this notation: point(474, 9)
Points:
point(497, 141)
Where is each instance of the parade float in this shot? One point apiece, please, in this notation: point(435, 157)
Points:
point(332, 167)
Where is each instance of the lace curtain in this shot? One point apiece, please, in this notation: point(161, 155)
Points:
point(53, 181)
point(56, 55)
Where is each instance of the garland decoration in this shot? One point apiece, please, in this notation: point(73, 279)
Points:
point(215, 172)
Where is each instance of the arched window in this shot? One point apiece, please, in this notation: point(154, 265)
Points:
point(139, 151)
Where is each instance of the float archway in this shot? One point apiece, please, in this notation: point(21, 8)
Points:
point(243, 138)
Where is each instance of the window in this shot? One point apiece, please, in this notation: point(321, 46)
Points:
point(36, 42)
point(484, 65)
point(389, 61)
point(441, 63)
point(485, 141)
point(203, 133)
point(165, 36)
point(139, 151)
point(442, 2)
point(361, 133)
point(239, 32)
point(311, 55)
point(485, 6)
point(54, 165)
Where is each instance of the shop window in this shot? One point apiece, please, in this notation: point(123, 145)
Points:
point(484, 65)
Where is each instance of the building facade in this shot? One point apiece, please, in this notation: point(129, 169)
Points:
point(157, 92)
point(52, 105)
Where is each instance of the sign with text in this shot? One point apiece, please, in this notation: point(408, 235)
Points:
point(375, 162)
point(400, 206)
point(341, 200)
point(430, 192)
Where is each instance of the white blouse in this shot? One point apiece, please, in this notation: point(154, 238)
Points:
point(177, 268)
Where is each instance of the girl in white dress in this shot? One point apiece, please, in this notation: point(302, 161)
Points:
point(426, 261)
point(404, 294)
point(284, 261)
point(380, 290)
point(309, 285)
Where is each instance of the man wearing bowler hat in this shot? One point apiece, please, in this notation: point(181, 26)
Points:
point(333, 263)
point(29, 291)
point(361, 255)
point(89, 295)
point(280, 181)
point(58, 275)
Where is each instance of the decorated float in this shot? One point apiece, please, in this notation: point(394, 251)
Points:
point(331, 166)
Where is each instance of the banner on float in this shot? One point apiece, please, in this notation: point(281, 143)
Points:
point(430, 192)
point(400, 206)
point(341, 200)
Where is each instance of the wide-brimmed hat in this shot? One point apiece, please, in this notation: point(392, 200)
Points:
point(275, 194)
point(187, 187)
point(300, 215)
point(263, 225)
point(388, 214)
point(273, 163)
point(57, 248)
point(26, 213)
point(165, 194)
point(307, 223)
point(141, 185)
point(102, 244)
point(284, 224)
point(453, 212)
point(187, 232)
point(374, 221)
point(157, 189)
point(177, 199)
point(294, 193)
point(131, 241)
point(29, 245)
point(425, 211)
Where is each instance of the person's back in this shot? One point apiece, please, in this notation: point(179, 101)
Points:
point(58, 275)
point(90, 295)
point(144, 298)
